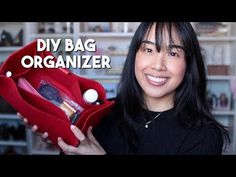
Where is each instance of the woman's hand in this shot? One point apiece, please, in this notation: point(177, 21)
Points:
point(88, 145)
point(34, 128)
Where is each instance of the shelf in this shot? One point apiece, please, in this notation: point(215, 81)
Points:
point(9, 117)
point(221, 112)
point(45, 152)
point(9, 49)
point(105, 34)
point(219, 77)
point(13, 143)
point(50, 36)
point(104, 77)
point(217, 38)
point(87, 34)
point(112, 54)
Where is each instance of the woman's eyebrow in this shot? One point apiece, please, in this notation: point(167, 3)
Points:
point(149, 42)
point(171, 46)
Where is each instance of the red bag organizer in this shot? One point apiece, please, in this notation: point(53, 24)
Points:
point(47, 116)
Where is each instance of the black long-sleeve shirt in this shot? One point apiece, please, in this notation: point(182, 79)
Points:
point(164, 136)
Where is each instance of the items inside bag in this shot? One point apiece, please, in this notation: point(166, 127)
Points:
point(48, 91)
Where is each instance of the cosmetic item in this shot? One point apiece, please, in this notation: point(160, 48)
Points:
point(24, 84)
point(52, 94)
point(90, 96)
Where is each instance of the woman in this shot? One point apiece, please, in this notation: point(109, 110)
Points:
point(161, 105)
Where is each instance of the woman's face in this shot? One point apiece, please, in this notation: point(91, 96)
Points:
point(160, 73)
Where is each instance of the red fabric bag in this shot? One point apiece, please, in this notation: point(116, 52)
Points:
point(41, 112)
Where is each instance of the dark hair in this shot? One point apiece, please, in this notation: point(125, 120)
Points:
point(190, 102)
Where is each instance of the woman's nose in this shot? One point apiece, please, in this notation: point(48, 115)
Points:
point(159, 62)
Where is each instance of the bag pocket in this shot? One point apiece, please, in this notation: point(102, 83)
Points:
point(42, 105)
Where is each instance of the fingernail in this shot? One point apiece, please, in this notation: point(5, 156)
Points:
point(59, 139)
point(72, 126)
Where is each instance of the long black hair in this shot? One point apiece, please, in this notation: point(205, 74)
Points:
point(190, 102)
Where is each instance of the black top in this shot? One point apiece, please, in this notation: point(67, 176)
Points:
point(163, 137)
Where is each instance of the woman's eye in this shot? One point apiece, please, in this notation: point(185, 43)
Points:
point(173, 54)
point(148, 50)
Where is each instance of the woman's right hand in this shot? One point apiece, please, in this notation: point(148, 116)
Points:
point(34, 128)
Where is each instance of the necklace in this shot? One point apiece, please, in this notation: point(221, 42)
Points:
point(147, 123)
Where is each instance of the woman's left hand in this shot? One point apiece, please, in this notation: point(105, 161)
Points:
point(88, 144)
